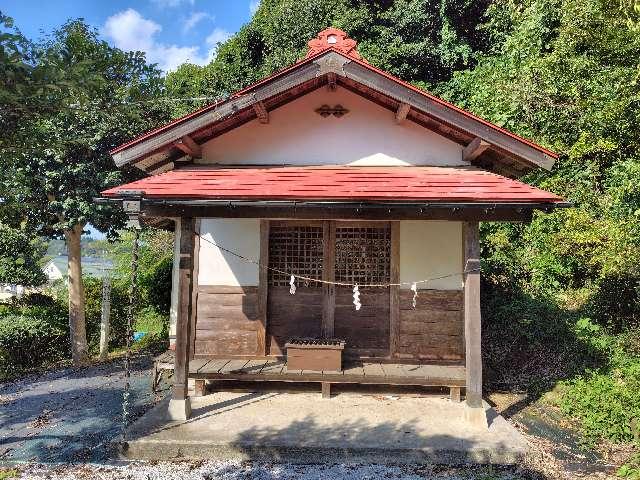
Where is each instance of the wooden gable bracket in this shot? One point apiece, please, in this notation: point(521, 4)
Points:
point(402, 112)
point(261, 112)
point(332, 81)
point(474, 149)
point(189, 146)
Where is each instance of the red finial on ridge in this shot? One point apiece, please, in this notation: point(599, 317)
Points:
point(333, 38)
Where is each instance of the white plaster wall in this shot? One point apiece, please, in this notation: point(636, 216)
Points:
point(367, 135)
point(431, 249)
point(217, 267)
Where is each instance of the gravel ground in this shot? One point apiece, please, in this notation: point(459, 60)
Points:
point(69, 415)
point(53, 423)
point(258, 471)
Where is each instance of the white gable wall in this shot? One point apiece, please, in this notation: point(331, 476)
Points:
point(297, 135)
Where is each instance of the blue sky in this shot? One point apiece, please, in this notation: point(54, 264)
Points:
point(171, 32)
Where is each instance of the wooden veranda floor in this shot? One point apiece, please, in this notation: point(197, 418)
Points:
point(355, 371)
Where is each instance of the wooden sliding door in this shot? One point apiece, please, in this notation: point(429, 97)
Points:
point(350, 252)
point(296, 248)
point(362, 256)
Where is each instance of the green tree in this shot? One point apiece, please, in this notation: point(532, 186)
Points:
point(58, 160)
point(19, 257)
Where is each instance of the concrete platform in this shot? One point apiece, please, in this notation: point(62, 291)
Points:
point(304, 428)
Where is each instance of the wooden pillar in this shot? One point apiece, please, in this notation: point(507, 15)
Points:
point(263, 290)
point(180, 405)
point(329, 275)
point(472, 324)
point(394, 291)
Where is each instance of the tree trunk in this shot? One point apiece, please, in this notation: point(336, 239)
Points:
point(77, 326)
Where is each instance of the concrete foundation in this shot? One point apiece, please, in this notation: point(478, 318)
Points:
point(179, 410)
point(304, 428)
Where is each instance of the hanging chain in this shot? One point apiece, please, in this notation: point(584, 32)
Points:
point(130, 314)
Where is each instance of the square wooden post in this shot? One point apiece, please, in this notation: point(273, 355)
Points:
point(180, 404)
point(474, 411)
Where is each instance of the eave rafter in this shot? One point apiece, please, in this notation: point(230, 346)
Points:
point(476, 148)
point(261, 112)
point(187, 145)
point(402, 112)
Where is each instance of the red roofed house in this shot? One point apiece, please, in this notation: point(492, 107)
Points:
point(338, 174)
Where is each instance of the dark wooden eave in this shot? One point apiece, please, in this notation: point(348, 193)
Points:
point(343, 210)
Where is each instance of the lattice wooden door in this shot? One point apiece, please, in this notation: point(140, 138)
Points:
point(362, 256)
point(295, 248)
point(359, 254)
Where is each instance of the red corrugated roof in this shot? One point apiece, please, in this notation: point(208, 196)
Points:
point(429, 184)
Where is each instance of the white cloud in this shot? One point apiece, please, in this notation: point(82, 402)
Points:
point(194, 19)
point(172, 3)
point(253, 6)
point(128, 30)
point(218, 36)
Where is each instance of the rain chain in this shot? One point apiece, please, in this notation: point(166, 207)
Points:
point(127, 357)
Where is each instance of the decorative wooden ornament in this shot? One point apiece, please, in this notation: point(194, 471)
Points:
point(338, 111)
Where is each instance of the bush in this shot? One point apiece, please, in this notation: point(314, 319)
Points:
point(606, 403)
point(31, 337)
point(155, 285)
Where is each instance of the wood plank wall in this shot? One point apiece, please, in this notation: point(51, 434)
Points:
point(434, 330)
point(366, 331)
point(228, 321)
point(298, 315)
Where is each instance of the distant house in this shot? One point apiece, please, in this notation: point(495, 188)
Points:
point(56, 268)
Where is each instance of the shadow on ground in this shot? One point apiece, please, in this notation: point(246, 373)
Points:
point(70, 415)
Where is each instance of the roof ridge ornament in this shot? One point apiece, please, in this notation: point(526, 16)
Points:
point(334, 38)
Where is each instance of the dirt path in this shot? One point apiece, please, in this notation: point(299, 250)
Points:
point(69, 415)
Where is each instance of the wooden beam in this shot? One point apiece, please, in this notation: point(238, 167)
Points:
point(263, 289)
point(474, 149)
point(472, 321)
point(458, 214)
point(194, 289)
point(449, 116)
point(328, 274)
point(394, 291)
point(185, 284)
point(221, 111)
point(332, 80)
point(261, 112)
point(402, 112)
point(189, 146)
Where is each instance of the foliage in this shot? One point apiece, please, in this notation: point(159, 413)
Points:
point(19, 256)
point(423, 41)
point(631, 469)
point(63, 160)
point(155, 264)
point(606, 400)
point(32, 335)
